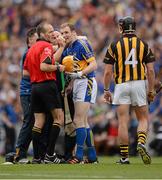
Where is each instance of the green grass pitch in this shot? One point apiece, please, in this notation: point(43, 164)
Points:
point(106, 169)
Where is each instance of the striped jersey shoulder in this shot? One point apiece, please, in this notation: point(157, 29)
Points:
point(85, 44)
point(129, 53)
point(110, 57)
point(86, 50)
point(113, 44)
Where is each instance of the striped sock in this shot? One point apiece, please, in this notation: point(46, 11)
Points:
point(36, 134)
point(142, 137)
point(124, 151)
point(55, 130)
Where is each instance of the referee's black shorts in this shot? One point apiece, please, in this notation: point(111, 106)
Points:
point(45, 97)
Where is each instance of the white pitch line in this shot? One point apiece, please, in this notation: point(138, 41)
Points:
point(52, 175)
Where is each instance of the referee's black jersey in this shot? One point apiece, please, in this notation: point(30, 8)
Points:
point(129, 54)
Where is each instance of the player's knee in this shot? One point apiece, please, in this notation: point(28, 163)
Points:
point(79, 123)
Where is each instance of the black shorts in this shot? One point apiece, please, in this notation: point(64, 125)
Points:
point(45, 97)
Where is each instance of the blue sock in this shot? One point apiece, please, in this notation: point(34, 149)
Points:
point(90, 145)
point(81, 134)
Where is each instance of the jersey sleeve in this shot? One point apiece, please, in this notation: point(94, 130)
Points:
point(87, 51)
point(25, 65)
point(47, 55)
point(149, 57)
point(22, 60)
point(64, 54)
point(109, 57)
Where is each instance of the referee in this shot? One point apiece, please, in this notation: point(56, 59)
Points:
point(45, 96)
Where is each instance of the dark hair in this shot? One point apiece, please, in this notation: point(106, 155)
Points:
point(71, 26)
point(30, 33)
point(41, 28)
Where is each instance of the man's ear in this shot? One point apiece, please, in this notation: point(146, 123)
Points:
point(120, 29)
point(74, 33)
point(42, 35)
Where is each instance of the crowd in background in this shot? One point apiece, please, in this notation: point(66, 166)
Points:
point(97, 19)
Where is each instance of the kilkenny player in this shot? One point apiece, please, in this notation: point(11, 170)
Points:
point(130, 57)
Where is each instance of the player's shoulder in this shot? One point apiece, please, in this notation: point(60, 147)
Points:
point(114, 42)
point(143, 41)
point(82, 42)
point(43, 43)
point(25, 52)
point(43, 46)
point(84, 45)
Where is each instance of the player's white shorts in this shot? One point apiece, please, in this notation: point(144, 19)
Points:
point(85, 90)
point(131, 92)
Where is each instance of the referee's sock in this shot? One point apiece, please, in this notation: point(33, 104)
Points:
point(90, 145)
point(55, 130)
point(81, 134)
point(36, 134)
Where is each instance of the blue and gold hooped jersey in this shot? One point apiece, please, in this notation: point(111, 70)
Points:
point(82, 54)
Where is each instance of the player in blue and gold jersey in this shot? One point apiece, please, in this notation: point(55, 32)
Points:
point(25, 135)
point(84, 88)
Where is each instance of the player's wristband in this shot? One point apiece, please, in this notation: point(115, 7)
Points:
point(106, 89)
point(58, 67)
point(152, 92)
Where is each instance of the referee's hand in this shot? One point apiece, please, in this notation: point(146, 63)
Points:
point(61, 68)
point(107, 96)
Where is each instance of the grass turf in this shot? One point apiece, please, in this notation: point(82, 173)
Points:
point(106, 169)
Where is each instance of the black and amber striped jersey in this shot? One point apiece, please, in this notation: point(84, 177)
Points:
point(129, 54)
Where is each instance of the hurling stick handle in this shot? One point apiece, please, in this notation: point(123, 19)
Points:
point(62, 81)
point(66, 105)
point(159, 89)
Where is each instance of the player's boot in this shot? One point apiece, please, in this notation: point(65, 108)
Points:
point(143, 153)
point(37, 161)
point(88, 161)
point(23, 161)
point(123, 161)
point(75, 160)
point(53, 159)
point(10, 157)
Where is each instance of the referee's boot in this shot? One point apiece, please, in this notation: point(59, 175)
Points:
point(143, 153)
point(37, 161)
point(53, 159)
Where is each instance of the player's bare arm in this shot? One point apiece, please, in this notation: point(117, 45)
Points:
point(107, 80)
point(151, 81)
point(50, 67)
point(91, 67)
